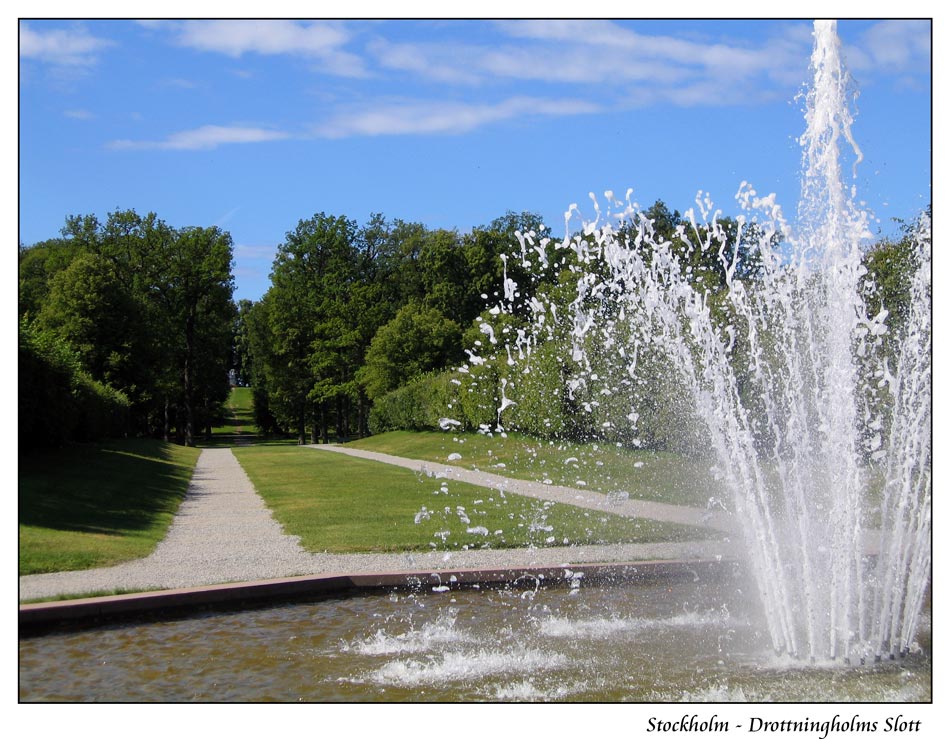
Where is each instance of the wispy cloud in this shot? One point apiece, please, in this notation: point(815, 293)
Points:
point(72, 47)
point(440, 62)
point(602, 56)
point(179, 83)
point(205, 137)
point(473, 64)
point(319, 41)
point(893, 46)
point(573, 68)
point(247, 252)
point(223, 219)
point(79, 115)
point(415, 117)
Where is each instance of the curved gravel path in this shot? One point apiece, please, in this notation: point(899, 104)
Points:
point(631, 508)
point(223, 532)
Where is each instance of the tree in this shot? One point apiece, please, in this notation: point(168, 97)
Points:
point(310, 367)
point(147, 307)
point(95, 313)
point(262, 363)
point(241, 356)
point(489, 252)
point(890, 265)
point(444, 275)
point(417, 340)
point(197, 293)
point(38, 264)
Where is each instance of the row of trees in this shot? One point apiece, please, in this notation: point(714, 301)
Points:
point(519, 372)
point(356, 315)
point(364, 328)
point(145, 309)
point(354, 312)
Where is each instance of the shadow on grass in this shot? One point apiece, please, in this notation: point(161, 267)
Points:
point(226, 440)
point(114, 488)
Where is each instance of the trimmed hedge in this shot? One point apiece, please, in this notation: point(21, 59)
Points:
point(418, 405)
point(540, 405)
point(58, 400)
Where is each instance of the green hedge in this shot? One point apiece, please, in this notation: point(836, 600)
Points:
point(419, 405)
point(58, 400)
point(541, 406)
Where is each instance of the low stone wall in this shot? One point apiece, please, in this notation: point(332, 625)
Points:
point(93, 612)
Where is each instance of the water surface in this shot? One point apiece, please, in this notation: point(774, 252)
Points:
point(655, 643)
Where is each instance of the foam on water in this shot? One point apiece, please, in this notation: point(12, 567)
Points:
point(430, 636)
point(529, 691)
point(617, 627)
point(452, 666)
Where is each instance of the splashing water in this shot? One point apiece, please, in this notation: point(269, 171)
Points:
point(767, 329)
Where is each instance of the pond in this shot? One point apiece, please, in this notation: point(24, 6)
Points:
point(660, 642)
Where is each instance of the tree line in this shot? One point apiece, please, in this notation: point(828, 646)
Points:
point(364, 328)
point(142, 310)
point(354, 312)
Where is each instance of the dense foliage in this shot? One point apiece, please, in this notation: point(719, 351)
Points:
point(356, 312)
point(144, 309)
point(59, 400)
point(365, 328)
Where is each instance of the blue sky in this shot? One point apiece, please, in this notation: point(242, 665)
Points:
point(254, 125)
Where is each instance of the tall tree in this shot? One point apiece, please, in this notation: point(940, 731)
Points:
point(241, 356)
point(94, 311)
point(313, 274)
point(198, 294)
point(147, 305)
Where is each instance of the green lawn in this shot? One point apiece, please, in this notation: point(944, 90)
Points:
point(94, 505)
point(342, 504)
point(237, 427)
point(645, 475)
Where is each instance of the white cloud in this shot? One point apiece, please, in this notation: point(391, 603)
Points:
point(601, 55)
point(624, 45)
point(593, 32)
point(441, 62)
point(79, 115)
point(322, 42)
point(248, 252)
point(179, 83)
point(443, 118)
point(893, 46)
point(205, 137)
point(402, 118)
point(73, 47)
point(223, 219)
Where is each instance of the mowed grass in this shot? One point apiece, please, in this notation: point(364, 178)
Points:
point(645, 475)
point(336, 503)
point(237, 427)
point(94, 505)
point(240, 414)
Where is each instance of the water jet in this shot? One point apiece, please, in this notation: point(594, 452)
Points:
point(804, 391)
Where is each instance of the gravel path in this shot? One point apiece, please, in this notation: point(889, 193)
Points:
point(630, 508)
point(223, 532)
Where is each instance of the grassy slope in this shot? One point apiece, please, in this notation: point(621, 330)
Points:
point(237, 426)
point(240, 408)
point(340, 504)
point(659, 476)
point(94, 505)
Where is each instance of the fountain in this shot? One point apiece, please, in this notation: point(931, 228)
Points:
point(820, 430)
point(770, 332)
point(670, 640)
